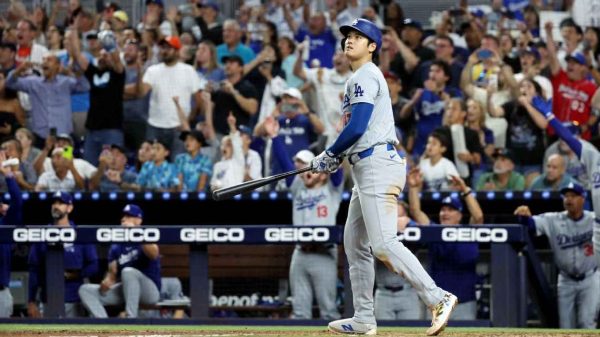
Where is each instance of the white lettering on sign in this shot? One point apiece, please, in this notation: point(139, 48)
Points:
point(410, 234)
point(212, 234)
point(128, 234)
point(300, 234)
point(475, 235)
point(50, 234)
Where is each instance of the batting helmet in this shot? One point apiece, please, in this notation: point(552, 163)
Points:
point(365, 27)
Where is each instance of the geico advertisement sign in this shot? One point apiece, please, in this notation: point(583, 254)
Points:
point(300, 234)
point(475, 235)
point(212, 235)
point(410, 234)
point(128, 234)
point(50, 234)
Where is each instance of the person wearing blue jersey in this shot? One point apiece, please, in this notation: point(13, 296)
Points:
point(11, 215)
point(379, 172)
point(80, 262)
point(133, 275)
point(452, 264)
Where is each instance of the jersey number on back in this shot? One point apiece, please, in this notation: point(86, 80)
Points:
point(322, 211)
point(358, 92)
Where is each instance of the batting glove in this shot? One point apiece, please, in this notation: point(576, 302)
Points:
point(325, 162)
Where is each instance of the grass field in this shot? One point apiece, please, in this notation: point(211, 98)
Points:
point(25, 330)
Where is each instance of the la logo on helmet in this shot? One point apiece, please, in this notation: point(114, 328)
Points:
point(355, 22)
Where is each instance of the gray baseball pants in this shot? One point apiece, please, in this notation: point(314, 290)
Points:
point(134, 288)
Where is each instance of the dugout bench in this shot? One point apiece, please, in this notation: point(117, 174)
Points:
point(506, 242)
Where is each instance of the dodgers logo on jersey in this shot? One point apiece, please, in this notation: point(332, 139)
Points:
point(309, 202)
point(358, 91)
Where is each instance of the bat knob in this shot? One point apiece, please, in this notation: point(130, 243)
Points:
point(216, 196)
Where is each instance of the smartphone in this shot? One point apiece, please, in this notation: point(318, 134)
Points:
point(53, 132)
point(484, 54)
point(68, 152)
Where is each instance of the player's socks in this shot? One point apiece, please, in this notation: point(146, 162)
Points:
point(351, 327)
point(441, 312)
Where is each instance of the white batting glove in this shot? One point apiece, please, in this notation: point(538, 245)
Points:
point(325, 162)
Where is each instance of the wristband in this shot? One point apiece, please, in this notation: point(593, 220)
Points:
point(466, 193)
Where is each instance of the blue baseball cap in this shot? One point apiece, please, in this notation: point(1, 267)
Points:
point(413, 23)
point(575, 188)
point(245, 129)
point(133, 210)
point(452, 202)
point(577, 57)
point(64, 197)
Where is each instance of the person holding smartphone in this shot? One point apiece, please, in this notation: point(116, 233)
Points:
point(64, 176)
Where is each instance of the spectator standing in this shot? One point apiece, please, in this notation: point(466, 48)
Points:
point(12, 215)
point(444, 50)
point(208, 20)
point(570, 235)
point(135, 107)
point(529, 59)
point(452, 264)
point(80, 262)
point(104, 121)
point(322, 41)
point(10, 107)
point(230, 169)
point(8, 53)
point(207, 64)
point(50, 96)
point(287, 48)
point(133, 276)
point(166, 80)
point(235, 95)
point(435, 168)
point(193, 168)
point(232, 45)
point(573, 92)
point(111, 175)
point(27, 49)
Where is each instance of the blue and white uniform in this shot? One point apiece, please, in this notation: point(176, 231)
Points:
point(13, 218)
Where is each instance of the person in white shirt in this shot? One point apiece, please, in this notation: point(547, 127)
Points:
point(44, 164)
point(166, 80)
point(232, 167)
point(252, 158)
point(329, 85)
point(63, 177)
point(435, 168)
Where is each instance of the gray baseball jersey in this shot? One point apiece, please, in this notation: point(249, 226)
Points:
point(313, 269)
point(367, 85)
point(590, 157)
point(571, 241)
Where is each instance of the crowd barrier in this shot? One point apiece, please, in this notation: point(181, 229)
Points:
point(508, 274)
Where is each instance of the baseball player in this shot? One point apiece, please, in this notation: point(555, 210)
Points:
point(316, 200)
point(394, 297)
point(570, 236)
point(80, 262)
point(379, 173)
point(587, 153)
point(133, 275)
point(11, 215)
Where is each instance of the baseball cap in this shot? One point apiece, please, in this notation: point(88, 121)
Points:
point(577, 57)
point(64, 197)
point(172, 41)
point(197, 134)
point(121, 16)
point(8, 45)
point(305, 156)
point(453, 202)
point(531, 51)
point(245, 130)
point(292, 92)
point(118, 147)
point(575, 188)
point(65, 136)
point(155, 2)
point(133, 210)
point(413, 23)
point(92, 34)
point(210, 4)
point(232, 58)
point(503, 152)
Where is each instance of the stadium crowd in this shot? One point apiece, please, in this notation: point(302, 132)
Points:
point(189, 99)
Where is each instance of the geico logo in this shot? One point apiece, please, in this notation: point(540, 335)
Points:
point(51, 234)
point(212, 234)
point(410, 234)
point(128, 234)
point(475, 234)
point(307, 234)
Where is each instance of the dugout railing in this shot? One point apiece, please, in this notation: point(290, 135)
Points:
point(507, 244)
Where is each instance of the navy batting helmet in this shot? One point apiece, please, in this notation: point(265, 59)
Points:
point(365, 27)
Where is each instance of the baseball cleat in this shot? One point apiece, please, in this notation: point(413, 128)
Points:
point(441, 312)
point(351, 327)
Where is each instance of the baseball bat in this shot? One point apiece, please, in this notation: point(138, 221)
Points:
point(228, 192)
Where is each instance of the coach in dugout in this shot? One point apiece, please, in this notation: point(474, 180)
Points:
point(133, 275)
point(11, 214)
point(452, 263)
point(80, 262)
point(570, 235)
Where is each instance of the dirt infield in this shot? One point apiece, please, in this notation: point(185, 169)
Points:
point(270, 331)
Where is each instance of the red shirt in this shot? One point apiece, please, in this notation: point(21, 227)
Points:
point(23, 54)
point(572, 100)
